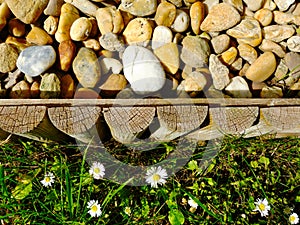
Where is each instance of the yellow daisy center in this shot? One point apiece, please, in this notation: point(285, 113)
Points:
point(156, 177)
point(97, 170)
point(94, 208)
point(292, 218)
point(262, 207)
point(47, 179)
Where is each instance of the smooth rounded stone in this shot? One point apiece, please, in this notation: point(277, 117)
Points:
point(51, 25)
point(269, 4)
point(67, 85)
point(238, 4)
point(20, 90)
point(138, 30)
point(139, 7)
point(292, 60)
point(109, 19)
point(92, 44)
point(238, 88)
point(278, 33)
point(168, 55)
point(28, 11)
point(237, 65)
point(8, 58)
point(254, 5)
point(263, 67)
point(112, 42)
point(244, 69)
point(197, 15)
point(219, 72)
point(35, 60)
point(281, 70)
point(161, 35)
point(293, 43)
point(247, 52)
point(248, 31)
point(181, 22)
point(53, 8)
point(50, 86)
point(35, 89)
point(229, 56)
point(271, 46)
point(38, 36)
point(283, 5)
point(264, 16)
point(86, 67)
point(80, 29)
point(195, 51)
point(113, 85)
point(220, 17)
point(16, 27)
point(66, 51)
point(195, 81)
point(86, 93)
point(111, 65)
point(142, 70)
point(220, 43)
point(286, 18)
point(271, 92)
point(165, 14)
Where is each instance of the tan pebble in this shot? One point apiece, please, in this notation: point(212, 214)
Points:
point(269, 4)
point(262, 68)
point(264, 16)
point(229, 56)
point(168, 55)
point(67, 16)
point(95, 30)
point(286, 18)
point(4, 14)
point(281, 70)
point(106, 53)
point(16, 27)
point(271, 92)
point(80, 29)
point(220, 43)
point(177, 3)
point(18, 43)
point(84, 6)
point(244, 69)
point(195, 81)
point(50, 86)
point(53, 8)
point(110, 65)
point(35, 89)
point(20, 90)
point(283, 5)
point(161, 35)
point(138, 30)
point(187, 69)
point(38, 36)
point(247, 52)
point(181, 22)
point(139, 7)
point(8, 58)
point(67, 86)
point(238, 4)
point(254, 5)
point(113, 85)
point(86, 93)
point(197, 14)
point(278, 33)
point(66, 51)
point(112, 42)
point(165, 14)
point(92, 43)
point(109, 19)
point(271, 46)
point(51, 24)
point(296, 10)
point(237, 65)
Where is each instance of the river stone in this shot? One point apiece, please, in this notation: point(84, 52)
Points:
point(195, 81)
point(238, 88)
point(181, 22)
point(293, 43)
point(254, 5)
point(247, 52)
point(35, 60)
point(281, 70)
point(86, 67)
point(197, 14)
point(269, 4)
point(139, 7)
point(238, 4)
point(264, 16)
point(165, 14)
point(271, 46)
point(20, 90)
point(286, 18)
point(168, 54)
point(8, 58)
point(248, 31)
point(292, 60)
point(271, 92)
point(142, 70)
point(220, 43)
point(219, 72)
point(113, 85)
point(220, 17)
point(195, 51)
point(283, 5)
point(50, 86)
point(112, 42)
point(161, 35)
point(229, 56)
point(138, 30)
point(28, 11)
point(278, 33)
point(263, 67)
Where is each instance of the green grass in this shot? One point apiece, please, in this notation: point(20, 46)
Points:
point(225, 185)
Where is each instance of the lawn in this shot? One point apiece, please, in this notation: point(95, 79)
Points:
point(50, 183)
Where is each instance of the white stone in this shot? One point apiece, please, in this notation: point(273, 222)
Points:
point(161, 35)
point(293, 43)
point(283, 5)
point(181, 22)
point(111, 64)
point(142, 70)
point(219, 72)
point(238, 88)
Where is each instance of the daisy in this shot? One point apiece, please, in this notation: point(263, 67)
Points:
point(95, 209)
point(156, 175)
point(192, 203)
point(262, 206)
point(294, 219)
point(127, 211)
point(48, 179)
point(97, 170)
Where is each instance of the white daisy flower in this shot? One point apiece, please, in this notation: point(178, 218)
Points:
point(156, 175)
point(95, 209)
point(127, 211)
point(262, 206)
point(294, 218)
point(48, 179)
point(192, 203)
point(97, 170)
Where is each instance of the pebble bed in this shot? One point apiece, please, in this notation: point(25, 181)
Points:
point(129, 48)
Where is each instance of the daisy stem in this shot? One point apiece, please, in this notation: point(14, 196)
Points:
point(69, 191)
